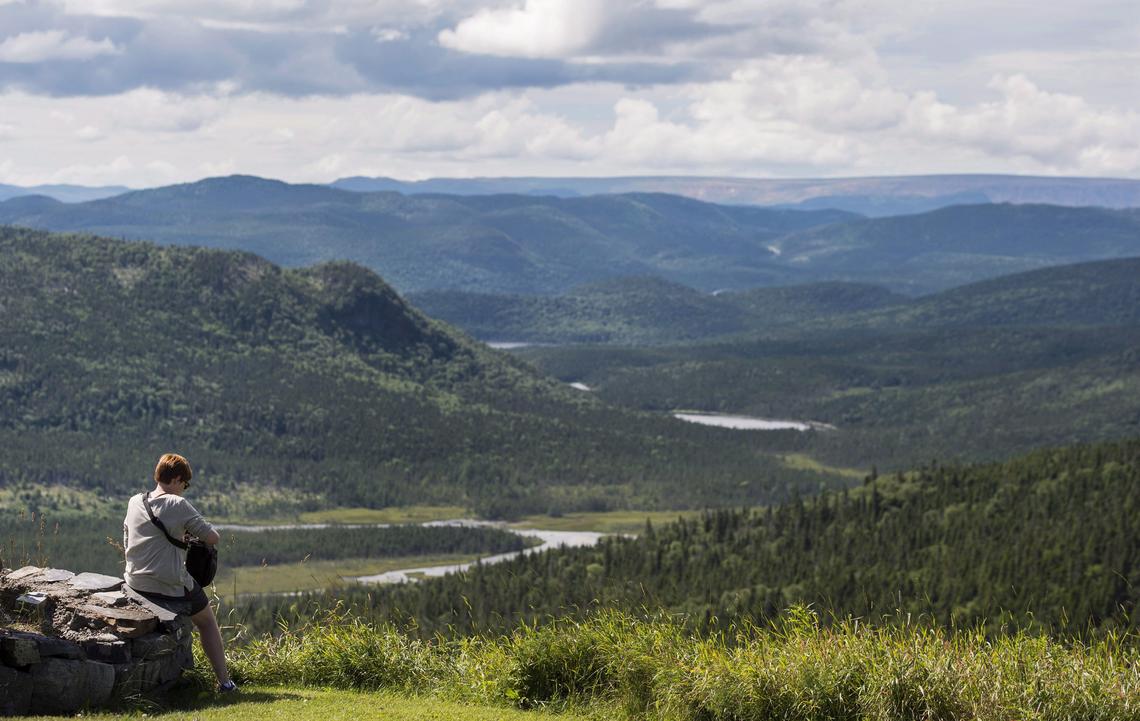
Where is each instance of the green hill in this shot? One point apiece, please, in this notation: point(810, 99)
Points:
point(1083, 294)
point(769, 307)
point(501, 243)
point(979, 372)
point(961, 244)
point(319, 380)
point(625, 310)
point(645, 311)
point(1050, 538)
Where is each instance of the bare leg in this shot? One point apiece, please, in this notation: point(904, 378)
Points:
point(211, 637)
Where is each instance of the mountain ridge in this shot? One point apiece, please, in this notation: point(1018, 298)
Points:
point(865, 195)
point(544, 245)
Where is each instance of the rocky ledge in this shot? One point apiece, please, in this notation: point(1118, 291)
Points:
point(73, 641)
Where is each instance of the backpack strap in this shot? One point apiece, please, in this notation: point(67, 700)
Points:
point(160, 524)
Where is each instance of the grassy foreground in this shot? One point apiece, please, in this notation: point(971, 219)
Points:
point(306, 704)
point(619, 666)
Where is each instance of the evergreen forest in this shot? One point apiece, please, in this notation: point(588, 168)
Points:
point(1044, 542)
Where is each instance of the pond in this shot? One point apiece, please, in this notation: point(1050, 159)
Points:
point(750, 423)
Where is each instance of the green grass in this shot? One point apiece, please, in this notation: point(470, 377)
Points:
point(802, 462)
point(602, 522)
point(309, 575)
point(797, 668)
point(307, 704)
point(398, 514)
point(53, 498)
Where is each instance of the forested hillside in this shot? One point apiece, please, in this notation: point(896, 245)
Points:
point(645, 311)
point(1047, 357)
point(1047, 540)
point(961, 244)
point(626, 310)
point(320, 380)
point(1099, 293)
point(650, 311)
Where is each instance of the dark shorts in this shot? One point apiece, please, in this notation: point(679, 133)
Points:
point(188, 604)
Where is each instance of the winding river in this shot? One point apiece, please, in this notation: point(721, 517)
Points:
point(548, 540)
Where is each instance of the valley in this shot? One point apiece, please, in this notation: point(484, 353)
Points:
point(736, 457)
point(660, 360)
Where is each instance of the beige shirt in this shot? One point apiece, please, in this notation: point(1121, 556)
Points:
point(154, 564)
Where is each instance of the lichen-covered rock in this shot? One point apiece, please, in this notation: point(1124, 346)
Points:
point(99, 644)
point(22, 573)
point(95, 582)
point(126, 622)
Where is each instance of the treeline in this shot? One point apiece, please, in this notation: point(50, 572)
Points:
point(1049, 541)
point(245, 548)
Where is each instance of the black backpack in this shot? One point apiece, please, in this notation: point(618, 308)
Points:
point(201, 559)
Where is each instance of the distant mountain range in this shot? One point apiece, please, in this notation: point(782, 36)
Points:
point(873, 197)
point(501, 243)
point(961, 244)
point(547, 245)
point(63, 193)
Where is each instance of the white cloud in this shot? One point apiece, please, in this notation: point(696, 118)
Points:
point(37, 47)
point(198, 8)
point(1056, 130)
point(807, 90)
point(89, 132)
point(786, 87)
point(212, 169)
point(537, 29)
point(388, 35)
point(157, 111)
point(108, 173)
point(274, 15)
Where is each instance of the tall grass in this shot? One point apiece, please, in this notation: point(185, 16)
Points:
point(654, 669)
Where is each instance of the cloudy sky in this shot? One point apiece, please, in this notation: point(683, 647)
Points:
point(148, 92)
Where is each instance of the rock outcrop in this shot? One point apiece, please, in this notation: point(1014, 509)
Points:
point(73, 641)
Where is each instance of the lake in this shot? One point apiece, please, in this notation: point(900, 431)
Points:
point(751, 423)
point(508, 345)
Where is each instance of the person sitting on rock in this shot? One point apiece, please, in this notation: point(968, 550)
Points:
point(156, 568)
